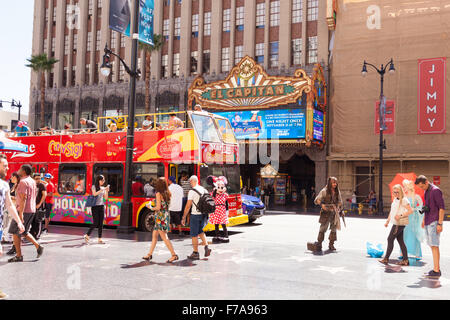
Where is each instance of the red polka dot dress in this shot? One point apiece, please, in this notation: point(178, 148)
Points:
point(220, 215)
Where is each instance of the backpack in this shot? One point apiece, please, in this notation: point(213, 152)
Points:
point(206, 203)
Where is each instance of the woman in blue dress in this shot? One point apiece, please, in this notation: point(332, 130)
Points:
point(413, 234)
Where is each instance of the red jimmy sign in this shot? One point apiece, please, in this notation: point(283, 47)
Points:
point(389, 118)
point(431, 96)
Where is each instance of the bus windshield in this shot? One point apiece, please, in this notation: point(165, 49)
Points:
point(231, 172)
point(225, 130)
point(204, 125)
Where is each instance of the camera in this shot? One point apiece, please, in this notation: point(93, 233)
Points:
point(425, 209)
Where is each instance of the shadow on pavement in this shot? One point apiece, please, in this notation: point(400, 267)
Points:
point(180, 263)
point(426, 283)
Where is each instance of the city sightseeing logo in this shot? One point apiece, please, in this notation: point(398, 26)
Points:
point(31, 152)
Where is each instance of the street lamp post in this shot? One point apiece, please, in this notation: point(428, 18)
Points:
point(13, 103)
point(126, 214)
point(381, 111)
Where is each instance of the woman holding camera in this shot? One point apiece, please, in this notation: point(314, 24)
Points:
point(413, 234)
point(398, 216)
point(98, 209)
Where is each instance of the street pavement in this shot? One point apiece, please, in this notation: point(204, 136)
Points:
point(264, 260)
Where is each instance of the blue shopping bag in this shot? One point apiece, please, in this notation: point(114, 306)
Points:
point(375, 251)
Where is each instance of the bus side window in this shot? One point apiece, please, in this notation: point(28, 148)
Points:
point(72, 179)
point(144, 177)
point(113, 174)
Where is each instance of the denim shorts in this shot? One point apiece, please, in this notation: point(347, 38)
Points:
point(432, 235)
point(197, 223)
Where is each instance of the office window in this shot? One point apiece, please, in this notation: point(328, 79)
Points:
point(72, 79)
point(91, 6)
point(97, 40)
point(99, 3)
point(226, 20)
point(240, 18)
point(46, 15)
point(64, 80)
point(194, 62)
point(238, 54)
point(195, 25)
point(72, 179)
point(113, 40)
point(176, 65)
point(166, 29)
point(312, 49)
point(177, 29)
point(45, 45)
point(165, 66)
point(122, 41)
point(206, 61)
point(297, 11)
point(54, 14)
point(297, 51)
point(53, 47)
point(260, 15)
point(274, 49)
point(313, 10)
point(87, 70)
point(89, 41)
point(121, 72)
point(66, 45)
point(75, 41)
point(225, 59)
point(259, 53)
point(275, 13)
point(207, 23)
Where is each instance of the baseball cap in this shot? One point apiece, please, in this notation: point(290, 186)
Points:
point(172, 178)
point(48, 176)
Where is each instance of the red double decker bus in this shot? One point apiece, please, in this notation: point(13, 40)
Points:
point(207, 146)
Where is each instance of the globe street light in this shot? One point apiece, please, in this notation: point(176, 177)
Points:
point(382, 145)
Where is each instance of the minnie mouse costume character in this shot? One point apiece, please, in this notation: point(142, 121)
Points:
point(220, 216)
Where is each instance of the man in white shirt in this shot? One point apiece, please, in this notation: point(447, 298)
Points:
point(197, 220)
point(176, 204)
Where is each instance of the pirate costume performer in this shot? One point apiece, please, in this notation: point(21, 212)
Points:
point(331, 204)
point(220, 215)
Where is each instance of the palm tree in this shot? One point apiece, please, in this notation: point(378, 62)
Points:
point(158, 42)
point(41, 64)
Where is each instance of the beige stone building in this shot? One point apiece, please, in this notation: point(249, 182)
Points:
point(202, 37)
point(377, 31)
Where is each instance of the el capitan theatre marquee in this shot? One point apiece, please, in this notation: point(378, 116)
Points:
point(257, 104)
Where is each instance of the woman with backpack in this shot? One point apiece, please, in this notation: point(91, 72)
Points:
point(98, 208)
point(162, 220)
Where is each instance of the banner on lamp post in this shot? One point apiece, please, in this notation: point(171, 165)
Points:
point(120, 18)
point(389, 117)
point(431, 96)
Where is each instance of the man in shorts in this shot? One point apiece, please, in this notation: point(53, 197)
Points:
point(433, 219)
point(197, 221)
point(6, 202)
point(26, 206)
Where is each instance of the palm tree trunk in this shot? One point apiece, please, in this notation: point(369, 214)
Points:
point(147, 82)
point(42, 124)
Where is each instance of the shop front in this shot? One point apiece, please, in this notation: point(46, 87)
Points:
point(280, 125)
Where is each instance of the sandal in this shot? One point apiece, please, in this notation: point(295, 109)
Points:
point(384, 261)
point(100, 241)
point(86, 238)
point(148, 258)
point(173, 259)
point(403, 263)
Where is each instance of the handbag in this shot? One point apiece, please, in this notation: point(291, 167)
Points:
point(91, 200)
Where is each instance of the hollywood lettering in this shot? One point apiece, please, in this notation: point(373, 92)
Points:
point(70, 149)
point(75, 206)
point(248, 92)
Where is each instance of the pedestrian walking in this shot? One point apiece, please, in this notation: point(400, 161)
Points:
point(330, 201)
point(6, 205)
point(186, 185)
point(354, 206)
point(433, 220)
point(266, 194)
point(220, 215)
point(98, 209)
point(51, 189)
point(26, 207)
point(7, 237)
point(197, 220)
point(176, 204)
point(413, 234)
point(162, 220)
point(398, 216)
point(40, 206)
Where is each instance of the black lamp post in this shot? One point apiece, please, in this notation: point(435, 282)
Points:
point(13, 103)
point(126, 214)
point(381, 113)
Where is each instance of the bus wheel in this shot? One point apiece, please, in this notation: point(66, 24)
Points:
point(147, 220)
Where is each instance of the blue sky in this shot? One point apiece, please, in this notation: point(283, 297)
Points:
point(16, 33)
